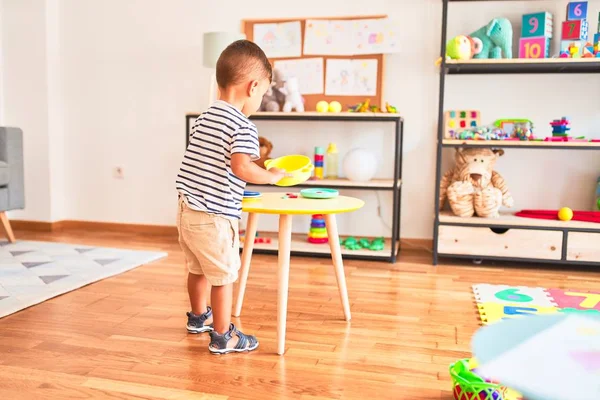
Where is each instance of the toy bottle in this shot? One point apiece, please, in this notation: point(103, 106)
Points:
point(597, 205)
point(331, 163)
point(319, 155)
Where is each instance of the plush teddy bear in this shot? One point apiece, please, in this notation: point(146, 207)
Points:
point(265, 150)
point(472, 187)
point(274, 97)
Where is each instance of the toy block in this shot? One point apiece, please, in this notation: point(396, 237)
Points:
point(596, 38)
point(459, 120)
point(575, 30)
point(538, 24)
point(573, 48)
point(538, 47)
point(577, 10)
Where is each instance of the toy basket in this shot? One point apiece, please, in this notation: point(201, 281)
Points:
point(463, 389)
point(299, 167)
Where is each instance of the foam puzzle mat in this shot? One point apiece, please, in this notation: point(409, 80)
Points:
point(497, 302)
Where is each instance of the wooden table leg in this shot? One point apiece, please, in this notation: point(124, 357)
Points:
point(283, 277)
point(7, 228)
point(336, 257)
point(246, 259)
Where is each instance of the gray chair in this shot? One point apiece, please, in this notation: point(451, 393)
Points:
point(12, 178)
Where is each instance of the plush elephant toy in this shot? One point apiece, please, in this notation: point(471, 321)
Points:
point(496, 39)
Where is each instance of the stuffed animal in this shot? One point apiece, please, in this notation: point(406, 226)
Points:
point(461, 47)
point(274, 98)
point(293, 98)
point(472, 187)
point(265, 151)
point(496, 39)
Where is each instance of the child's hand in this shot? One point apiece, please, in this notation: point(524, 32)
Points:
point(277, 175)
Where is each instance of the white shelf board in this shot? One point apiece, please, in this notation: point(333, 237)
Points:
point(509, 219)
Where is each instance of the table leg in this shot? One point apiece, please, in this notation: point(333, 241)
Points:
point(338, 264)
point(246, 259)
point(283, 277)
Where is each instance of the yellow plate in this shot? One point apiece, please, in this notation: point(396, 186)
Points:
point(298, 166)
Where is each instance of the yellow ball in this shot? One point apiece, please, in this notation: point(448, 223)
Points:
point(335, 107)
point(322, 106)
point(565, 214)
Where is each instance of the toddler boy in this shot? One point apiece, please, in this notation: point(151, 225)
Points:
point(213, 174)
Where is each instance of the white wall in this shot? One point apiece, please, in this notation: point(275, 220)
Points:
point(128, 71)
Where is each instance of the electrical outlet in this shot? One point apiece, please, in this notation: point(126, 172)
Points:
point(118, 173)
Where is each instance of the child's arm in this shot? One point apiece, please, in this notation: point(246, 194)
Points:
point(244, 168)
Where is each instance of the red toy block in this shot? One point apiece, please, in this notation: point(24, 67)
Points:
point(575, 30)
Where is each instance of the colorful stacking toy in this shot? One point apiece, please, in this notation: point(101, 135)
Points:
point(319, 161)
point(318, 231)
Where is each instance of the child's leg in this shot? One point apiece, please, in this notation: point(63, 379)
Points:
point(222, 299)
point(198, 291)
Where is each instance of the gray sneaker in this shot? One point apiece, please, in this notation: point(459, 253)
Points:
point(195, 322)
point(218, 343)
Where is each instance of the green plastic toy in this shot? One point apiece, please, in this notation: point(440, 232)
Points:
point(377, 244)
point(351, 243)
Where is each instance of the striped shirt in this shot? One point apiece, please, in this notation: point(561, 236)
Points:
point(205, 178)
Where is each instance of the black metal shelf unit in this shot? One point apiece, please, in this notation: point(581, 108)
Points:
point(549, 66)
point(395, 187)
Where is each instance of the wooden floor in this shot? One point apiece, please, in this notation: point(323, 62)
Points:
point(125, 337)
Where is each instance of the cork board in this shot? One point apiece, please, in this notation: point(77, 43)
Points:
point(311, 100)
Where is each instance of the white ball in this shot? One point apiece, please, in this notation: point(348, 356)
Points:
point(360, 165)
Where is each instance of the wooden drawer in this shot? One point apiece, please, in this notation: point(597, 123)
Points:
point(583, 246)
point(518, 243)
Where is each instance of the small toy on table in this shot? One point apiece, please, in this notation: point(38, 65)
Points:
point(293, 98)
point(318, 231)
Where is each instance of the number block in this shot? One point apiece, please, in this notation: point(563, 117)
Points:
point(538, 24)
point(596, 38)
point(538, 47)
point(575, 30)
point(577, 10)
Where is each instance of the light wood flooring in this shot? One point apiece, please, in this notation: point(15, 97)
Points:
point(125, 337)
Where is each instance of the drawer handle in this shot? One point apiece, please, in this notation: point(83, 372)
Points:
point(499, 231)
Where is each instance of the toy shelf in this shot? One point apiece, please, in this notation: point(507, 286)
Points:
point(374, 184)
point(523, 66)
point(301, 247)
point(393, 185)
point(510, 238)
point(521, 144)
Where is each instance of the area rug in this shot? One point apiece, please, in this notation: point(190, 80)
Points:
point(33, 272)
point(497, 302)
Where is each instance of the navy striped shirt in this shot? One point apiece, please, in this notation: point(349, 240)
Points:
point(205, 177)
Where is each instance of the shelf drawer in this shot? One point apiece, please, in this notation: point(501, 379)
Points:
point(517, 243)
point(583, 246)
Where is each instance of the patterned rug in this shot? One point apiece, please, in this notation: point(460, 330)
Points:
point(33, 272)
point(497, 302)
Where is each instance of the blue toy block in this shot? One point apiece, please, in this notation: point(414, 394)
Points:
point(596, 38)
point(537, 24)
point(577, 10)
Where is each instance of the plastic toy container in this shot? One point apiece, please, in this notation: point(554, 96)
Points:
point(467, 385)
point(298, 166)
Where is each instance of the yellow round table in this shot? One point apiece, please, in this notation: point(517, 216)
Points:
point(274, 203)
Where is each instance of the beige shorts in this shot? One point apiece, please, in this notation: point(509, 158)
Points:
point(210, 243)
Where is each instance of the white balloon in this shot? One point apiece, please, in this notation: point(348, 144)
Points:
point(360, 165)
